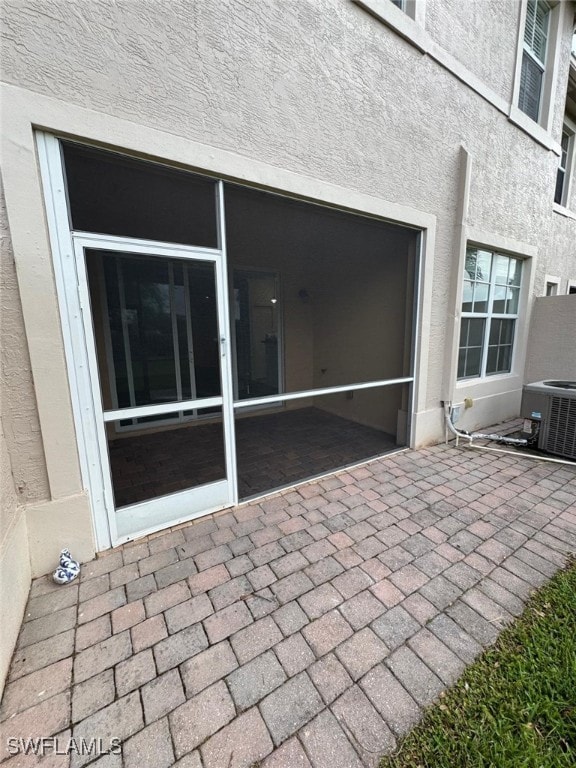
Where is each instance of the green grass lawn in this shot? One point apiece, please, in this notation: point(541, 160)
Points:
point(515, 707)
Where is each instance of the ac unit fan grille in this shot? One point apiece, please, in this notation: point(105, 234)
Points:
point(561, 437)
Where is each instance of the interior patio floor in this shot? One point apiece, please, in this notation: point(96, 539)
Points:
point(273, 451)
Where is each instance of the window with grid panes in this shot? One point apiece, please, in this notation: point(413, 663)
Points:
point(534, 57)
point(490, 299)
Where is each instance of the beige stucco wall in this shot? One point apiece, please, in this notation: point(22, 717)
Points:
point(551, 344)
point(308, 78)
point(309, 96)
point(19, 411)
point(14, 561)
point(10, 510)
point(39, 517)
point(22, 468)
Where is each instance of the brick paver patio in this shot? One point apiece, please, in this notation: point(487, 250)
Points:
point(309, 629)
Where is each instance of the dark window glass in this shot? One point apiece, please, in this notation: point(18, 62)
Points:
point(475, 332)
point(116, 195)
point(561, 173)
point(530, 87)
point(500, 340)
point(156, 329)
point(470, 355)
point(559, 191)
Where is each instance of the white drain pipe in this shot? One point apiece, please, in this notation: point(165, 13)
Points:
point(499, 438)
point(470, 436)
point(533, 456)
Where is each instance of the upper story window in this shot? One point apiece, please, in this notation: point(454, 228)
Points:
point(536, 34)
point(406, 18)
point(564, 167)
point(412, 8)
point(490, 300)
point(551, 286)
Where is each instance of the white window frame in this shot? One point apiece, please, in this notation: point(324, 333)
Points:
point(490, 315)
point(548, 89)
point(528, 51)
point(412, 8)
point(551, 280)
point(408, 22)
point(569, 128)
point(571, 285)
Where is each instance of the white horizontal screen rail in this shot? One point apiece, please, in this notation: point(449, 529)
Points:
point(135, 245)
point(280, 398)
point(158, 410)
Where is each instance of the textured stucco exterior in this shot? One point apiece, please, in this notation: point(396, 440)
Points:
point(19, 412)
point(493, 22)
point(8, 492)
point(23, 477)
point(14, 560)
point(316, 98)
point(288, 84)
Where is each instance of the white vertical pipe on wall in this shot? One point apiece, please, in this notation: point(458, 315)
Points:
point(455, 291)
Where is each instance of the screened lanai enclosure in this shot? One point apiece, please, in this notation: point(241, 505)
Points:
point(239, 339)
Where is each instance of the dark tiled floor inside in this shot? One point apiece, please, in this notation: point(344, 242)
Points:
point(145, 466)
point(273, 450)
point(284, 448)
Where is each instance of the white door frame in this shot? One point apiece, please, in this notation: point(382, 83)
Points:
point(133, 520)
point(110, 527)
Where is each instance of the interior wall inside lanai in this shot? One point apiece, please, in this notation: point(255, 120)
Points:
point(347, 297)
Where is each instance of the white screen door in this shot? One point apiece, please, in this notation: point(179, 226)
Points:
point(155, 325)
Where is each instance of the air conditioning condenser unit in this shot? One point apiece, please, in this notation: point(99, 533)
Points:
point(549, 413)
